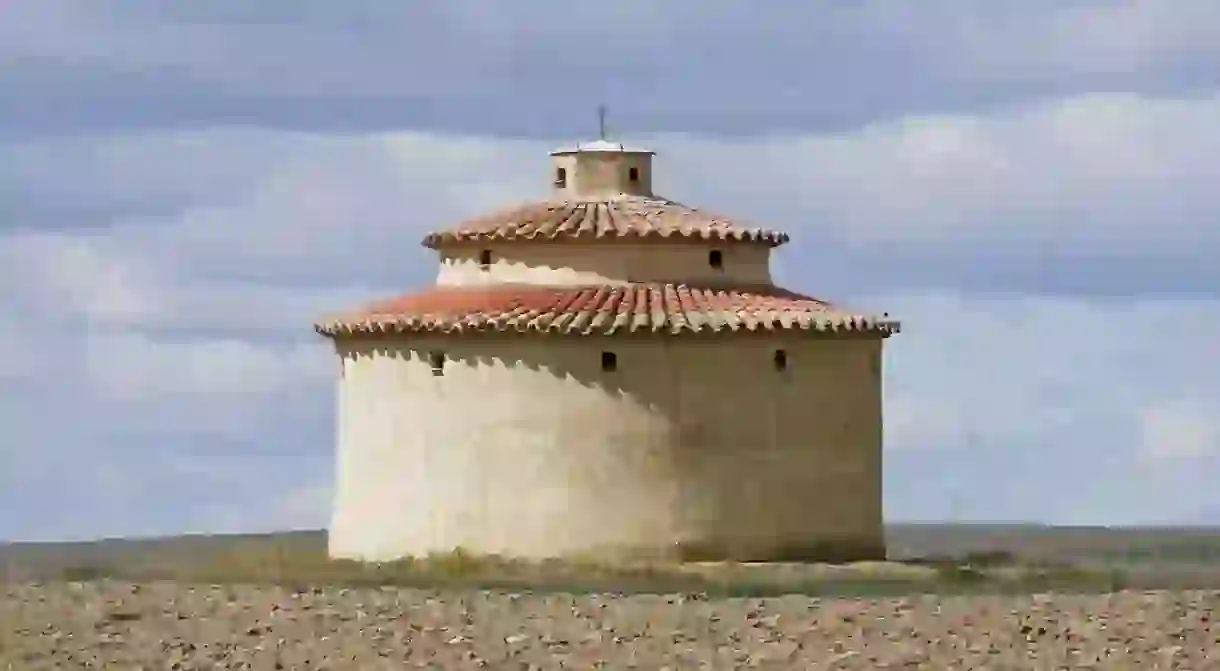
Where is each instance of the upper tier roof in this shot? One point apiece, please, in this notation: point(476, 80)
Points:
point(619, 217)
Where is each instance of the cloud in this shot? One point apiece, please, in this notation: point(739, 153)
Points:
point(1042, 407)
point(1112, 175)
point(54, 276)
point(1097, 193)
point(159, 370)
point(1044, 372)
point(133, 367)
point(261, 494)
point(377, 64)
point(112, 174)
point(1174, 428)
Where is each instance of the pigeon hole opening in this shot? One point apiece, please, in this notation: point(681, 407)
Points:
point(780, 360)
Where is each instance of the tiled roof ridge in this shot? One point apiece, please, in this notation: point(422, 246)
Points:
point(607, 217)
point(659, 307)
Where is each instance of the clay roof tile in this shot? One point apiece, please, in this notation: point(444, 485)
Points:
point(620, 217)
point(601, 309)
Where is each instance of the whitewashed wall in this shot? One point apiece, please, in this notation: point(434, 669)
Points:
point(572, 263)
point(526, 447)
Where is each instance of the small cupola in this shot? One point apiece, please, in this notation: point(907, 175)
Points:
point(601, 169)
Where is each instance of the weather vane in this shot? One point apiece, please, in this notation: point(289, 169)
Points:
point(601, 121)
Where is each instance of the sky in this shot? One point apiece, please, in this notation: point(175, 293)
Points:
point(1030, 187)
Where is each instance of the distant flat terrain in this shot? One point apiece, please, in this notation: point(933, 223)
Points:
point(1186, 548)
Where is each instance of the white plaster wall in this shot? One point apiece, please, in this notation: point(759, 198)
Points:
point(526, 448)
point(574, 263)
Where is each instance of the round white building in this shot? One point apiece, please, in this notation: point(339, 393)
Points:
point(608, 373)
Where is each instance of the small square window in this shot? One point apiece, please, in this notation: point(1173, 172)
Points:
point(561, 177)
point(609, 362)
point(780, 359)
point(485, 258)
point(633, 174)
point(715, 259)
point(437, 360)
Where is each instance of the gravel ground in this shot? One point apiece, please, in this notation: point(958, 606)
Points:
point(115, 625)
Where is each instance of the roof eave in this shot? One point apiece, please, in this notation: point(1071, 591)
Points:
point(445, 239)
point(603, 150)
point(335, 328)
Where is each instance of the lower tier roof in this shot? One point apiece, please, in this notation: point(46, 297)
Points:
point(601, 309)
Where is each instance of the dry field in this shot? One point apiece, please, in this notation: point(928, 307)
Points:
point(118, 625)
point(267, 602)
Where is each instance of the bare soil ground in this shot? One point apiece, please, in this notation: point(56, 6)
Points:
point(960, 598)
point(119, 625)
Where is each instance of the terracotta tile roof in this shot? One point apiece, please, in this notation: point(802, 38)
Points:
point(619, 217)
point(604, 309)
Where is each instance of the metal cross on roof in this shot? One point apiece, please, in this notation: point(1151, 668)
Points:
point(601, 122)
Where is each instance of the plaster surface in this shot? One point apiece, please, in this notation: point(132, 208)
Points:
point(695, 447)
point(601, 174)
point(604, 262)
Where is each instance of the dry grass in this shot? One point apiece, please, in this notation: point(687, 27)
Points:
point(971, 560)
point(269, 562)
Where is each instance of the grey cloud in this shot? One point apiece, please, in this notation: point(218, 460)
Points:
point(528, 68)
point(1080, 410)
point(83, 181)
point(1095, 195)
